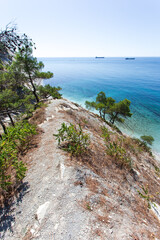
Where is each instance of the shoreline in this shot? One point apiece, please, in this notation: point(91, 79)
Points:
point(155, 153)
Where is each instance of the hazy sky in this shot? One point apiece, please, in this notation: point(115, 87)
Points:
point(86, 28)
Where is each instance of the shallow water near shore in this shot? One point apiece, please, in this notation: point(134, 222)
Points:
point(137, 80)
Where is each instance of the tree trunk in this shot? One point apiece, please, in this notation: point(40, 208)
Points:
point(34, 89)
point(114, 118)
point(11, 119)
point(3, 126)
point(104, 115)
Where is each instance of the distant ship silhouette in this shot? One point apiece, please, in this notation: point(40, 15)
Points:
point(99, 57)
point(129, 58)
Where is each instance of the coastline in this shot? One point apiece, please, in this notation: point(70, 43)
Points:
point(120, 79)
point(81, 103)
point(155, 153)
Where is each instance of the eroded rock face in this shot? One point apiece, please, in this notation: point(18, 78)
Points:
point(89, 197)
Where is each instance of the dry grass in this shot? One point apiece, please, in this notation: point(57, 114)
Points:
point(78, 183)
point(38, 116)
point(99, 233)
point(86, 204)
point(103, 219)
point(92, 184)
point(122, 185)
point(28, 235)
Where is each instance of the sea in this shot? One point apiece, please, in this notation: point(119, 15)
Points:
point(138, 80)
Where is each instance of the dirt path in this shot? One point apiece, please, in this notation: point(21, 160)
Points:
point(49, 209)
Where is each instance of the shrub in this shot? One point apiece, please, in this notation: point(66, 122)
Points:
point(105, 133)
point(116, 150)
point(142, 146)
point(157, 169)
point(146, 196)
point(15, 141)
point(119, 153)
point(75, 140)
point(147, 139)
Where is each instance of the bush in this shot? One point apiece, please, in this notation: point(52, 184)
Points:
point(75, 141)
point(116, 150)
point(15, 141)
point(119, 153)
point(146, 196)
point(105, 133)
point(142, 146)
point(147, 139)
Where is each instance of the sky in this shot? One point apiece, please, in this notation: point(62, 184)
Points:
point(87, 28)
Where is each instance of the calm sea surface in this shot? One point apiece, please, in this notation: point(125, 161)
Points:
point(137, 80)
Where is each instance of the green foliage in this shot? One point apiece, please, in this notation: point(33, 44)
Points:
point(85, 121)
point(145, 195)
point(9, 41)
point(44, 75)
point(76, 141)
point(116, 150)
point(107, 105)
point(88, 207)
point(18, 91)
point(119, 111)
point(147, 139)
point(142, 146)
point(157, 169)
point(47, 91)
point(14, 142)
point(119, 153)
point(29, 67)
point(1, 65)
point(105, 133)
point(102, 104)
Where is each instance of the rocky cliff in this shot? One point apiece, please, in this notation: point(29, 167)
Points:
point(92, 196)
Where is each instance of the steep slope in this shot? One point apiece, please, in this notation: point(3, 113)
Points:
point(93, 196)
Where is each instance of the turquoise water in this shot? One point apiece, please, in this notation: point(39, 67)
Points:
point(138, 80)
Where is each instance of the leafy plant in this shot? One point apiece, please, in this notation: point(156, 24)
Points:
point(157, 169)
point(105, 133)
point(116, 150)
point(119, 153)
point(145, 195)
point(88, 207)
point(15, 141)
point(142, 146)
point(75, 140)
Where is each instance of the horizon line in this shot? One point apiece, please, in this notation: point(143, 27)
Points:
point(103, 57)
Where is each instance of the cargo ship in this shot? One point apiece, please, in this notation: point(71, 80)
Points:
point(99, 57)
point(129, 58)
